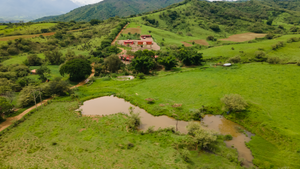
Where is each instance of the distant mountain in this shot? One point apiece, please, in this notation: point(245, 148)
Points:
point(110, 8)
point(31, 9)
point(293, 5)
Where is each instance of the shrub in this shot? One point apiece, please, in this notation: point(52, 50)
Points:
point(210, 38)
point(235, 59)
point(269, 36)
point(298, 63)
point(273, 60)
point(141, 76)
point(234, 102)
point(134, 120)
point(294, 29)
point(25, 97)
point(201, 137)
point(168, 62)
point(228, 137)
point(260, 56)
point(58, 86)
point(53, 57)
point(13, 51)
point(215, 27)
point(33, 60)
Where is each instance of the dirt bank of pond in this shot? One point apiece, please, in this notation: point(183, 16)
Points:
point(109, 105)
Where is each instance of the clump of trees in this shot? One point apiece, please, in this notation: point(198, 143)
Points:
point(54, 57)
point(168, 62)
point(235, 59)
point(260, 56)
point(273, 60)
point(234, 102)
point(78, 69)
point(190, 57)
point(33, 60)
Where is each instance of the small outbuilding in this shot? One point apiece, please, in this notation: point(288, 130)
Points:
point(128, 42)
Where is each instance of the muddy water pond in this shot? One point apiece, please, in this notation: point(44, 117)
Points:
point(109, 105)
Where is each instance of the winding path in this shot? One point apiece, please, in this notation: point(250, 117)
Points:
point(11, 120)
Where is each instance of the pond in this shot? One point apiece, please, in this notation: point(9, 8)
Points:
point(109, 105)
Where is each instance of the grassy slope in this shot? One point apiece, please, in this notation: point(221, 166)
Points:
point(26, 29)
point(269, 89)
point(56, 137)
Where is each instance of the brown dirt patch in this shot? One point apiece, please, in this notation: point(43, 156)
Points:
point(200, 42)
point(244, 37)
point(186, 44)
point(132, 30)
point(81, 130)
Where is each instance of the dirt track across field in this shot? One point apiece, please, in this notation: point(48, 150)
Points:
point(244, 37)
point(11, 120)
point(114, 41)
point(200, 42)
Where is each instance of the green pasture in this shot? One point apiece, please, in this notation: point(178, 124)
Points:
point(287, 53)
point(272, 92)
point(25, 30)
point(57, 137)
point(53, 74)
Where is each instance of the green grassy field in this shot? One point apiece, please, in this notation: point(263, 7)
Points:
point(57, 137)
point(25, 30)
point(271, 91)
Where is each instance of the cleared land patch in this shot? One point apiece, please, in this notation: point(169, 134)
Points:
point(186, 44)
point(200, 42)
point(132, 30)
point(244, 37)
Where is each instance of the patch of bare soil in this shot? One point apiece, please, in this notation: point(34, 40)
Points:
point(244, 37)
point(132, 30)
point(186, 44)
point(200, 42)
point(81, 130)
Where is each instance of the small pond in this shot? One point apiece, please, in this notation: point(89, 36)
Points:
point(109, 105)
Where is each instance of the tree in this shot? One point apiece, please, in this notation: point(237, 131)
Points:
point(5, 106)
point(270, 21)
point(42, 72)
point(5, 85)
point(202, 138)
point(25, 97)
point(58, 35)
point(190, 57)
point(33, 60)
point(95, 22)
point(21, 70)
point(113, 63)
point(234, 102)
point(215, 28)
point(53, 57)
point(168, 62)
point(57, 86)
point(78, 69)
point(143, 64)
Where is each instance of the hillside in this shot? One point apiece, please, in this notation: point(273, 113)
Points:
point(111, 8)
point(31, 9)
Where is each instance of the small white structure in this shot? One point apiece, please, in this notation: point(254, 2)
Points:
point(227, 64)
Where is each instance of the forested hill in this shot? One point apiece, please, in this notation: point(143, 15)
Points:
point(110, 8)
point(293, 5)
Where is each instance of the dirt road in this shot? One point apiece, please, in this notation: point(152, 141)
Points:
point(113, 42)
point(11, 120)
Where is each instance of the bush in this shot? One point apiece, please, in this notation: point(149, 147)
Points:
point(168, 62)
point(269, 36)
point(298, 63)
point(215, 28)
point(260, 56)
point(13, 51)
point(201, 137)
point(236, 59)
point(57, 86)
point(141, 76)
point(294, 29)
point(228, 137)
point(234, 102)
point(54, 57)
point(273, 60)
point(33, 60)
point(277, 45)
point(25, 97)
point(210, 38)
point(134, 120)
